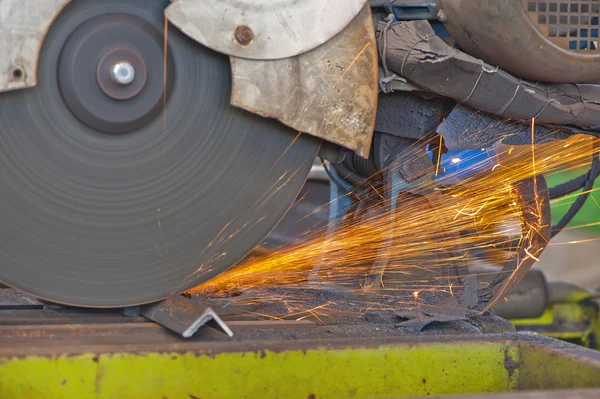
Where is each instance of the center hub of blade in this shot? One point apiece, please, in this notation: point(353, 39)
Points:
point(111, 72)
point(122, 74)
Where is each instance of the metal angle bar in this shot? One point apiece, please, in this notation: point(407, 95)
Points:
point(317, 172)
point(183, 316)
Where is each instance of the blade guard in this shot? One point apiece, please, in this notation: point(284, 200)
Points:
point(23, 26)
point(330, 92)
point(262, 29)
point(313, 72)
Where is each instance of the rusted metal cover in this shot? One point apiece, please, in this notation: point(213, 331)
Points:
point(534, 39)
point(329, 92)
point(23, 26)
point(262, 29)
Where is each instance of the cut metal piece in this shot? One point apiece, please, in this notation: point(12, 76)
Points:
point(537, 228)
point(330, 92)
point(317, 172)
point(262, 29)
point(93, 219)
point(183, 316)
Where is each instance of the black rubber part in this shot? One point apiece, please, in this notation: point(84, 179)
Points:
point(573, 185)
point(100, 220)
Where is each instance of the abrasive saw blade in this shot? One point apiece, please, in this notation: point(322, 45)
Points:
point(108, 198)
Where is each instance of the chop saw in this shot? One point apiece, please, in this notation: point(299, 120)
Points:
point(148, 145)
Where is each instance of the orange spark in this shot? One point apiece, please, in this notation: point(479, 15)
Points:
point(425, 240)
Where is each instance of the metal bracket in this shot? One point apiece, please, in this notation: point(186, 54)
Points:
point(183, 316)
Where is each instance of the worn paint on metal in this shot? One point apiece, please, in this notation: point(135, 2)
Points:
point(512, 362)
point(552, 368)
point(38, 377)
point(386, 371)
point(577, 321)
point(401, 367)
point(330, 92)
point(415, 368)
point(281, 28)
point(23, 26)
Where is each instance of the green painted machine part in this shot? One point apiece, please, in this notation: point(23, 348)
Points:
point(384, 367)
point(574, 319)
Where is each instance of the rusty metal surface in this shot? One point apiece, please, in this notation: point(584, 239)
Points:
point(23, 26)
point(183, 316)
point(501, 33)
point(280, 28)
point(329, 92)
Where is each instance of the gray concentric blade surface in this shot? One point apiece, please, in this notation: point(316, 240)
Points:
point(97, 219)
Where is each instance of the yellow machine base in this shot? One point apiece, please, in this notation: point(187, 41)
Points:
point(389, 367)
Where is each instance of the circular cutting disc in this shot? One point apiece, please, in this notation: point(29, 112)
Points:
point(105, 202)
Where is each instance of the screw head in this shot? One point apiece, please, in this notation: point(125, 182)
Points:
point(244, 35)
point(123, 73)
